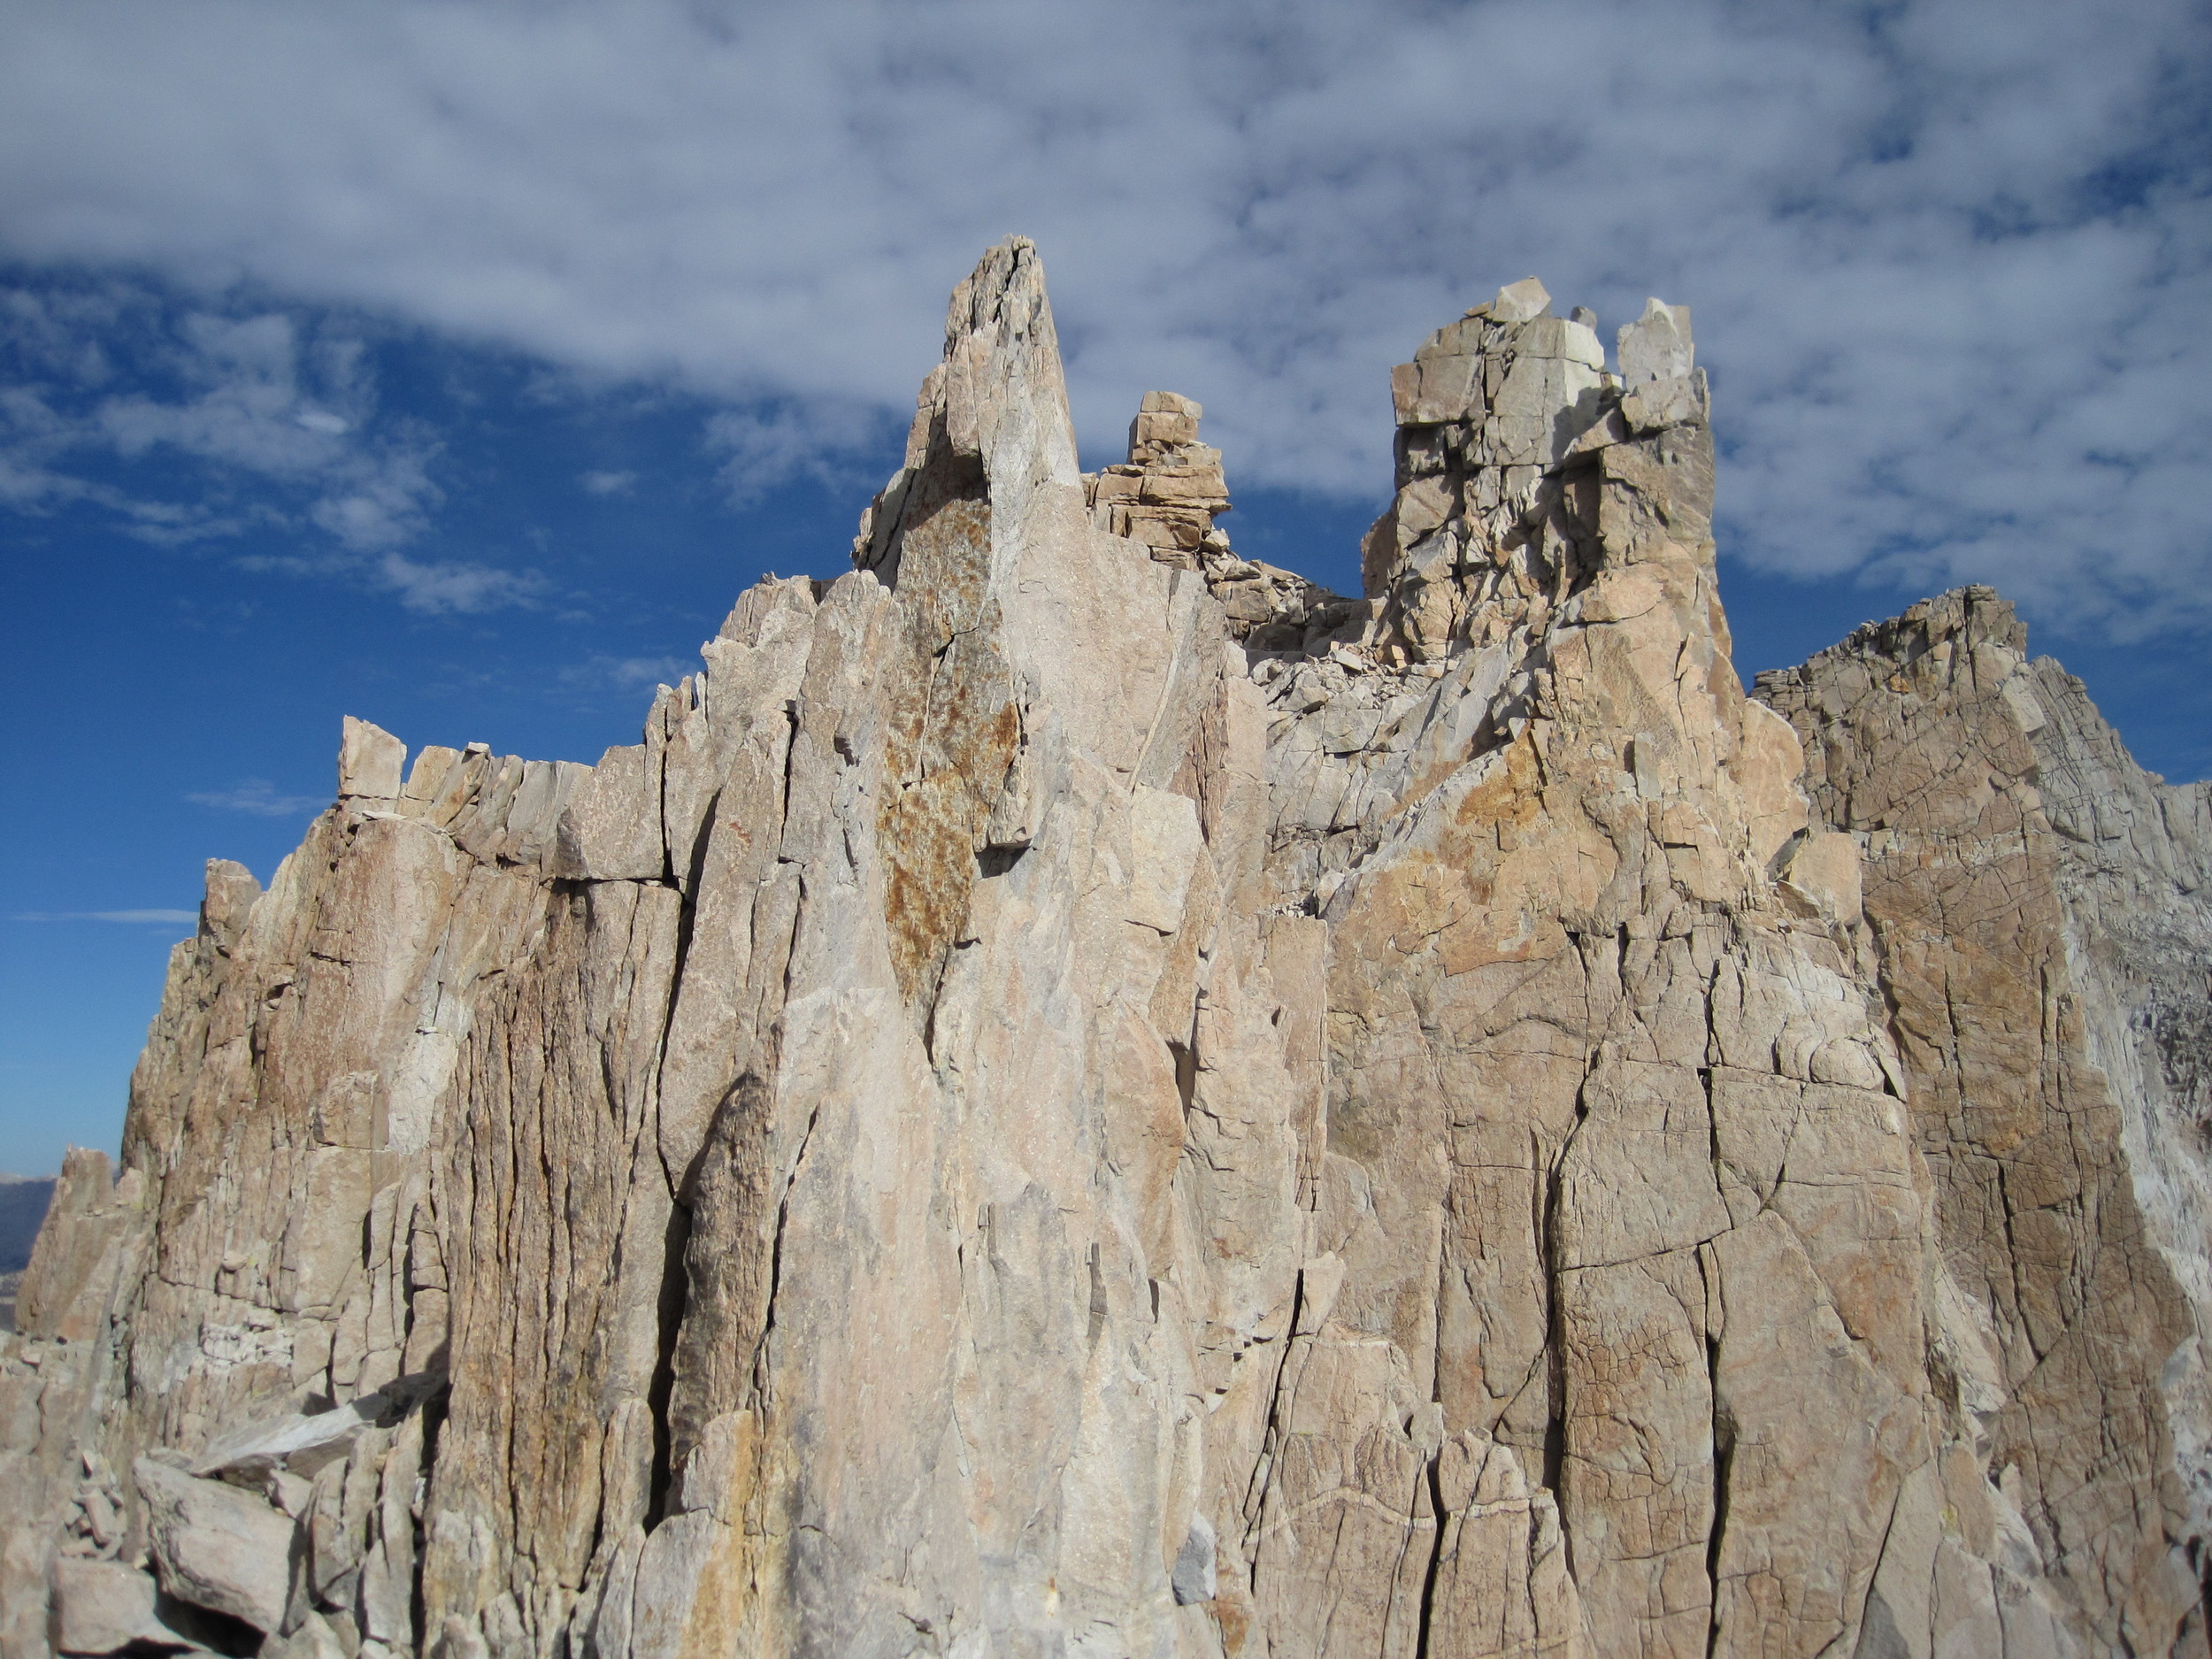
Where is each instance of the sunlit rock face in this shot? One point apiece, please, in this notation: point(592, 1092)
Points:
point(2043, 909)
point(1078, 1093)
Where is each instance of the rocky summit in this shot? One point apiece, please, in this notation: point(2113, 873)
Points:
point(1080, 1094)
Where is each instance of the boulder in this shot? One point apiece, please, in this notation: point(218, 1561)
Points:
point(217, 1547)
point(99, 1607)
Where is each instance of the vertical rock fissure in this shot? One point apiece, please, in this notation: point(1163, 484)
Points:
point(687, 920)
point(1724, 1461)
point(2023, 1297)
point(434, 1416)
point(1549, 1247)
point(775, 1259)
point(1556, 1334)
point(1723, 1445)
point(1859, 1615)
point(1270, 1440)
point(674, 1287)
point(1185, 1055)
point(1096, 1320)
point(1423, 1635)
point(2204, 1590)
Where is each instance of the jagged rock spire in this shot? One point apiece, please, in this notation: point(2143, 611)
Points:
point(992, 418)
point(1077, 1093)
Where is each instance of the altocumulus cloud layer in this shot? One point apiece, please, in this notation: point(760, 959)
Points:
point(1950, 260)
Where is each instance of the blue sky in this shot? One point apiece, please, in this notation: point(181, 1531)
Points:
point(456, 364)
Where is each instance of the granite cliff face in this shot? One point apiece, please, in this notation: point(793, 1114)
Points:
point(2043, 909)
point(1078, 1093)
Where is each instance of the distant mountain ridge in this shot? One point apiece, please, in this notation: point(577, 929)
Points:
point(23, 1200)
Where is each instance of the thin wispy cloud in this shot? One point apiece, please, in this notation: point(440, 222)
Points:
point(163, 917)
point(608, 483)
point(626, 675)
point(439, 588)
point(258, 796)
point(1949, 259)
point(114, 372)
point(189, 425)
point(762, 446)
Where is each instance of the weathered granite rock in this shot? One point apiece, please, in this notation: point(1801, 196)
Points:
point(1077, 1093)
point(100, 1607)
point(215, 1546)
point(1167, 494)
point(271, 1246)
point(2043, 909)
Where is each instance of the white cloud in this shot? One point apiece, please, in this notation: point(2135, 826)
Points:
point(112, 373)
point(259, 796)
point(377, 504)
point(441, 588)
point(109, 915)
point(1949, 257)
point(626, 673)
point(771, 444)
point(608, 483)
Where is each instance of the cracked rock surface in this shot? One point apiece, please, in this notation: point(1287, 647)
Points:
point(2043, 909)
point(1078, 1093)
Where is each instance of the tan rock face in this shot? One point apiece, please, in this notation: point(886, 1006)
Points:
point(1078, 1093)
point(2042, 910)
point(215, 1546)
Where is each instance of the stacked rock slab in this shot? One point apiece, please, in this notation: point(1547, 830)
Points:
point(1166, 496)
point(1171, 488)
point(1077, 1094)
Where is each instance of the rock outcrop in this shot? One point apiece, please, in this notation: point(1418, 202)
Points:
point(1078, 1093)
point(2043, 914)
